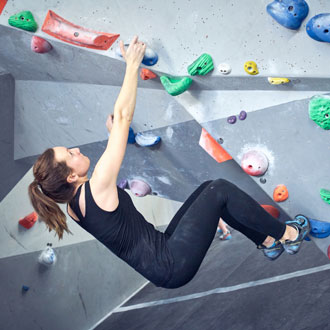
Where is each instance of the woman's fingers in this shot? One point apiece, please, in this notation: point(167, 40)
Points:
point(135, 51)
point(122, 48)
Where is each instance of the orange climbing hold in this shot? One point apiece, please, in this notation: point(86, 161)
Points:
point(281, 193)
point(147, 74)
point(28, 221)
point(62, 29)
point(213, 148)
point(273, 211)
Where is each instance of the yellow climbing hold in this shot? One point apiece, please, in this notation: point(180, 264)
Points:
point(250, 67)
point(278, 81)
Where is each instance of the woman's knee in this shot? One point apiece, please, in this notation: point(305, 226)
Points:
point(221, 184)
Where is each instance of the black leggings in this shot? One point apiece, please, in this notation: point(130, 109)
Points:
point(192, 229)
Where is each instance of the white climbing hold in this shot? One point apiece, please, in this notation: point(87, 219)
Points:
point(224, 68)
point(47, 257)
point(147, 140)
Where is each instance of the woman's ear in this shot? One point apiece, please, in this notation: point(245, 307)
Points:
point(72, 178)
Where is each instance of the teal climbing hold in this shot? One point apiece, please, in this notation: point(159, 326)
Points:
point(175, 86)
point(319, 111)
point(325, 195)
point(23, 20)
point(202, 66)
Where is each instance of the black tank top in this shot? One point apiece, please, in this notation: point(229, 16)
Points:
point(128, 235)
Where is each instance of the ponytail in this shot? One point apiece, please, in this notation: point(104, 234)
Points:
point(50, 187)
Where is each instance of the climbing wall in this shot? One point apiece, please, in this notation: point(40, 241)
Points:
point(63, 96)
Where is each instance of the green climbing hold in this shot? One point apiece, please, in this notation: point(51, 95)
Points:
point(325, 195)
point(23, 20)
point(319, 111)
point(201, 66)
point(175, 86)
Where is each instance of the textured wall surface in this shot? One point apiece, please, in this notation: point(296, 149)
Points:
point(63, 98)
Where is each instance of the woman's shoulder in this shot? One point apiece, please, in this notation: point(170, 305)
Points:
point(105, 198)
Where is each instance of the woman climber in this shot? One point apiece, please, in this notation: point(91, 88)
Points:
point(169, 259)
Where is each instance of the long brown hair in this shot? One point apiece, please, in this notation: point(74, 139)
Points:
point(49, 187)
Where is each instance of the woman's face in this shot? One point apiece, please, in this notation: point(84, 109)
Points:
point(74, 159)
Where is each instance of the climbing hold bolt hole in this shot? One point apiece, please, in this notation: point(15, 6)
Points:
point(290, 8)
point(294, 14)
point(154, 193)
point(199, 68)
point(326, 115)
point(249, 68)
point(220, 140)
point(263, 180)
point(326, 31)
point(76, 34)
point(250, 166)
point(22, 18)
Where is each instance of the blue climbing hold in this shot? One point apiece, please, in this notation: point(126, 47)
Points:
point(289, 13)
point(319, 229)
point(25, 288)
point(131, 136)
point(318, 27)
point(147, 140)
point(150, 57)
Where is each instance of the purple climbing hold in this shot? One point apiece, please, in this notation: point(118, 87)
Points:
point(254, 162)
point(231, 119)
point(242, 115)
point(123, 184)
point(139, 188)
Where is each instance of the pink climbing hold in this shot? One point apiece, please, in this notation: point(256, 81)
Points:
point(139, 188)
point(254, 163)
point(40, 45)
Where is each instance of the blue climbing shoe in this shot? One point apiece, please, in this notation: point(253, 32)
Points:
point(272, 252)
point(302, 225)
point(225, 236)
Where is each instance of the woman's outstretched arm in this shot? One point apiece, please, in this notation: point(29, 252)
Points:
point(104, 178)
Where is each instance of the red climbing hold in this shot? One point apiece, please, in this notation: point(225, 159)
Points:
point(147, 74)
point(281, 193)
point(2, 5)
point(62, 29)
point(213, 148)
point(40, 45)
point(273, 211)
point(28, 221)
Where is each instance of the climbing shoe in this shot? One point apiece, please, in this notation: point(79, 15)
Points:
point(272, 252)
point(302, 225)
point(225, 236)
